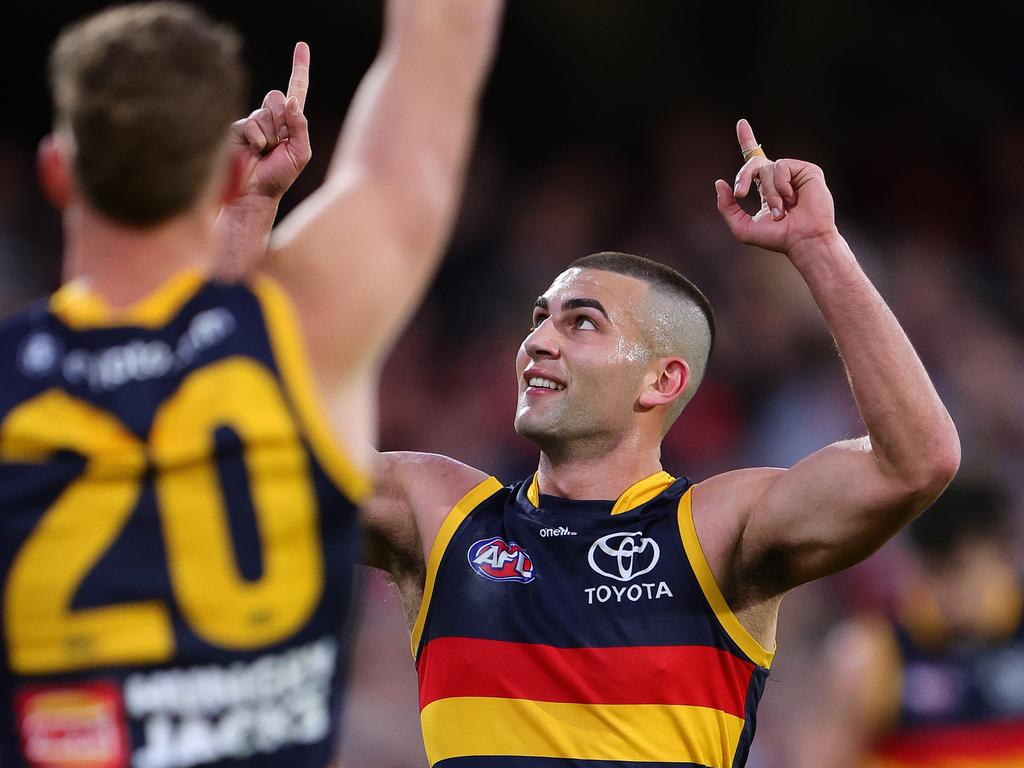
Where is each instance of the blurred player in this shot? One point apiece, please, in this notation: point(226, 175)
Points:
point(604, 612)
point(181, 457)
point(943, 683)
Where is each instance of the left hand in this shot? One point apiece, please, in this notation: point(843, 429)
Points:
point(796, 205)
point(275, 137)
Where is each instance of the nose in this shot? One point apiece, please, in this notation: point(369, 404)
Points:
point(542, 343)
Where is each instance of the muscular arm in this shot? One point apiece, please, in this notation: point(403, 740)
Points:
point(415, 492)
point(357, 255)
point(838, 505)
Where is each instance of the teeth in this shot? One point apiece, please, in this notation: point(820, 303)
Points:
point(537, 381)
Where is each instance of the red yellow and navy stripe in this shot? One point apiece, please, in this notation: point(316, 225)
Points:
point(661, 704)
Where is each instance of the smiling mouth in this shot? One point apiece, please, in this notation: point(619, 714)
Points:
point(539, 382)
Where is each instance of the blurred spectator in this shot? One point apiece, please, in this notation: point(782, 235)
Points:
point(942, 682)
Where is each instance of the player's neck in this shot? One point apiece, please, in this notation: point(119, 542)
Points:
point(597, 477)
point(123, 265)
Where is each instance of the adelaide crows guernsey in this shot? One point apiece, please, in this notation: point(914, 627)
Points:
point(961, 706)
point(589, 634)
point(177, 533)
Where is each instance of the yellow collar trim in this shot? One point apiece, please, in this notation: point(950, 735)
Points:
point(80, 308)
point(631, 498)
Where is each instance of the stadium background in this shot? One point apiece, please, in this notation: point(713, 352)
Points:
point(604, 126)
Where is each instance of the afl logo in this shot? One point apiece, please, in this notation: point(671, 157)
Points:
point(495, 560)
point(623, 556)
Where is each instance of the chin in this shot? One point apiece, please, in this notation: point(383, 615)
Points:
point(529, 426)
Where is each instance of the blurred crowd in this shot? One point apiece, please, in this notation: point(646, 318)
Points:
point(943, 243)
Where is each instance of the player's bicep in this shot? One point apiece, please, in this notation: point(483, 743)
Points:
point(827, 512)
point(345, 262)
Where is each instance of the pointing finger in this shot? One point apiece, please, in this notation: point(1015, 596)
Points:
point(298, 84)
point(745, 136)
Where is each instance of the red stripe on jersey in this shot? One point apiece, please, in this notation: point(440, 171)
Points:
point(675, 674)
point(983, 741)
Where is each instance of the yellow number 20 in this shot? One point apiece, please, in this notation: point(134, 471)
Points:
point(44, 634)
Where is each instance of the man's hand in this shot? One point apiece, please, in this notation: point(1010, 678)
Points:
point(274, 141)
point(796, 206)
point(275, 137)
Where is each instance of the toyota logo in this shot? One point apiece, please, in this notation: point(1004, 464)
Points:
point(628, 554)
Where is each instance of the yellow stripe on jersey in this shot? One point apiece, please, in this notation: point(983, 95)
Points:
point(291, 355)
point(80, 309)
point(631, 498)
point(483, 490)
point(468, 726)
point(642, 492)
point(756, 652)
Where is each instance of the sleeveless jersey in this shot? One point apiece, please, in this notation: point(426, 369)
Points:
point(177, 534)
point(557, 633)
point(960, 707)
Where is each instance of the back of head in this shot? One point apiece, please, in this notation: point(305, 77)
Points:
point(677, 318)
point(146, 93)
point(967, 512)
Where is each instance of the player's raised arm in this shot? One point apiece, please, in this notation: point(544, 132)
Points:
point(273, 147)
point(357, 255)
point(838, 505)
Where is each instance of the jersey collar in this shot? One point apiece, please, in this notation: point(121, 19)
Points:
point(631, 498)
point(80, 308)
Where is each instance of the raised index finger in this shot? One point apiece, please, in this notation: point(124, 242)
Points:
point(748, 144)
point(298, 83)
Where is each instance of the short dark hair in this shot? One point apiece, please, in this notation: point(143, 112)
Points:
point(966, 511)
point(654, 273)
point(147, 92)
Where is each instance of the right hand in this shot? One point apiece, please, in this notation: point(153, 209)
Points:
point(275, 137)
point(796, 206)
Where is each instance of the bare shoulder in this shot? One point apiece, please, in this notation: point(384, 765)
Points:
point(415, 492)
point(721, 507)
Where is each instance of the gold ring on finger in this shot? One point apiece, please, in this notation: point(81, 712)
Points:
point(753, 152)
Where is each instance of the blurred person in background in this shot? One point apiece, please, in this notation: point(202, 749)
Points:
point(942, 682)
point(181, 456)
point(603, 610)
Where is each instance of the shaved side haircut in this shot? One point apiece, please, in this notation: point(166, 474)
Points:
point(678, 317)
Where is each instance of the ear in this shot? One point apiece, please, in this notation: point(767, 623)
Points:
point(235, 178)
point(666, 384)
point(54, 169)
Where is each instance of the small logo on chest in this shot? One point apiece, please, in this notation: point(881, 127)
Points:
point(497, 560)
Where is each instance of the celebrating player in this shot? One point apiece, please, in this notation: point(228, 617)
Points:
point(181, 457)
point(603, 611)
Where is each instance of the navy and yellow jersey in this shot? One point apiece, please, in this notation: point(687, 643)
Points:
point(961, 705)
point(177, 534)
point(591, 634)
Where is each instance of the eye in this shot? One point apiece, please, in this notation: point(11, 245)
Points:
point(584, 323)
point(538, 318)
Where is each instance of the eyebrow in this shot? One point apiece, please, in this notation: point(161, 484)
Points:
point(591, 303)
point(569, 304)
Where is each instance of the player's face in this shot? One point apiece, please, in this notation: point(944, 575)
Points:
point(975, 587)
point(581, 368)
